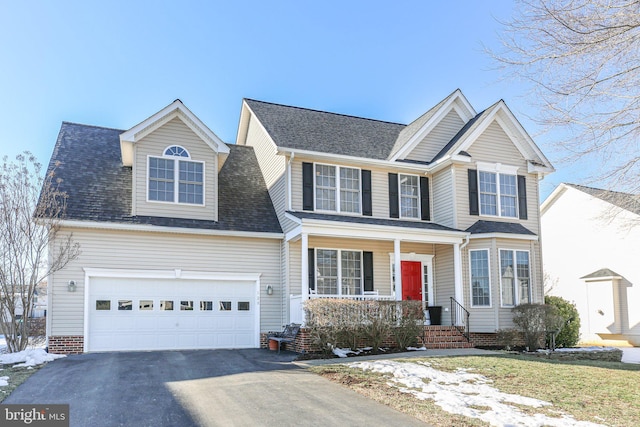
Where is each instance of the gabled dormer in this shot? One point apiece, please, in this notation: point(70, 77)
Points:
point(175, 160)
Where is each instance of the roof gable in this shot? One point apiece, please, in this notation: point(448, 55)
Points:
point(174, 110)
point(502, 115)
point(416, 132)
point(626, 201)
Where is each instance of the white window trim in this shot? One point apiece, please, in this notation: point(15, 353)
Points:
point(415, 218)
point(315, 265)
point(176, 180)
point(471, 279)
point(498, 169)
point(425, 260)
point(337, 168)
point(515, 276)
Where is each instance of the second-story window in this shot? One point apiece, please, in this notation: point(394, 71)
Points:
point(498, 200)
point(337, 188)
point(176, 178)
point(409, 196)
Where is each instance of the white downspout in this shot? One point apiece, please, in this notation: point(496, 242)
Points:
point(457, 265)
point(289, 202)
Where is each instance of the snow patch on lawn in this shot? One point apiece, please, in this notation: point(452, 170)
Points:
point(29, 357)
point(4, 381)
point(464, 393)
point(580, 349)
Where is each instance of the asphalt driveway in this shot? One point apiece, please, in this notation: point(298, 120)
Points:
point(199, 388)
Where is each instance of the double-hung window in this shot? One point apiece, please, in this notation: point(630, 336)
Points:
point(337, 189)
point(515, 277)
point(409, 196)
point(176, 178)
point(498, 191)
point(338, 272)
point(480, 281)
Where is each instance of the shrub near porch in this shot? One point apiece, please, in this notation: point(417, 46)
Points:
point(341, 323)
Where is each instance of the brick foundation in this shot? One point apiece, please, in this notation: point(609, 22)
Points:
point(484, 339)
point(66, 344)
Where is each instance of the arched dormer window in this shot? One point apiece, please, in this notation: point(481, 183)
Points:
point(176, 151)
point(164, 172)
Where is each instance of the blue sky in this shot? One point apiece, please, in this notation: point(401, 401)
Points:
point(115, 63)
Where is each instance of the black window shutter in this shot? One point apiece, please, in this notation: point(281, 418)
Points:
point(367, 207)
point(312, 269)
point(522, 196)
point(473, 192)
point(424, 198)
point(394, 208)
point(367, 267)
point(307, 186)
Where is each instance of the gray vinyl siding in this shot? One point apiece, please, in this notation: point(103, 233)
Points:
point(273, 167)
point(441, 134)
point(443, 198)
point(175, 132)
point(164, 251)
point(494, 146)
point(444, 279)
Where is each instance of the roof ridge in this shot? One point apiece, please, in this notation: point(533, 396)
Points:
point(64, 122)
point(326, 112)
point(601, 189)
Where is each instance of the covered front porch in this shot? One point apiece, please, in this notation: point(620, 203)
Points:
point(329, 256)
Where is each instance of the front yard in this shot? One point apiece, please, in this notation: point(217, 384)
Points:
point(499, 390)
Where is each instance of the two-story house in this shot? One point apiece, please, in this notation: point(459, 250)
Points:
point(306, 204)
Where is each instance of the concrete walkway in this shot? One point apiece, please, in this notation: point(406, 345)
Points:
point(199, 388)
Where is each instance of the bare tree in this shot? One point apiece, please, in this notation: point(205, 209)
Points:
point(583, 58)
point(31, 208)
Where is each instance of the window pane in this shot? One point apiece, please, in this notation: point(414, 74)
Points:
point(507, 278)
point(161, 175)
point(488, 193)
point(325, 187)
point(166, 305)
point(176, 151)
point(409, 196)
point(125, 304)
point(327, 271)
point(145, 304)
point(191, 183)
point(225, 305)
point(349, 190)
point(480, 288)
point(351, 273)
point(186, 305)
point(102, 304)
point(243, 305)
point(522, 259)
point(206, 305)
point(508, 196)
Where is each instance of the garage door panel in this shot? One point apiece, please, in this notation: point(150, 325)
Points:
point(209, 319)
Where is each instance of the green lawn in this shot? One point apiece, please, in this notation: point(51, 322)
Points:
point(606, 393)
point(16, 377)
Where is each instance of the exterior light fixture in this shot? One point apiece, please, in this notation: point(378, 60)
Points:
point(269, 290)
point(71, 287)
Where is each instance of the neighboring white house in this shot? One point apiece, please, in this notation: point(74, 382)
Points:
point(590, 250)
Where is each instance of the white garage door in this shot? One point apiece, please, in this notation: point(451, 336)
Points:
point(163, 314)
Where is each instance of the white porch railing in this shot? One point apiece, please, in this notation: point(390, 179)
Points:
point(367, 296)
point(296, 315)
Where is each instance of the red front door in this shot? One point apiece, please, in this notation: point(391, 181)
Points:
point(411, 280)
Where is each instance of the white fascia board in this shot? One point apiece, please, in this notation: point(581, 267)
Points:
point(380, 232)
point(172, 230)
point(124, 273)
point(467, 114)
point(504, 236)
point(353, 160)
point(175, 109)
point(243, 124)
point(551, 198)
point(543, 170)
point(602, 279)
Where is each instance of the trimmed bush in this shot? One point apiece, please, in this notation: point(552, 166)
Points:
point(569, 334)
point(534, 320)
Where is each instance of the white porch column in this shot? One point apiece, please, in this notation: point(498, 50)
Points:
point(304, 278)
point(457, 276)
point(397, 268)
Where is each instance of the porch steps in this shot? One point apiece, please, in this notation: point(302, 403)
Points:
point(444, 337)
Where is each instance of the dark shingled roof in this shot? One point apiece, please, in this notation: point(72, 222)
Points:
point(99, 187)
point(372, 221)
point(486, 227)
point(630, 202)
point(603, 272)
point(304, 129)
